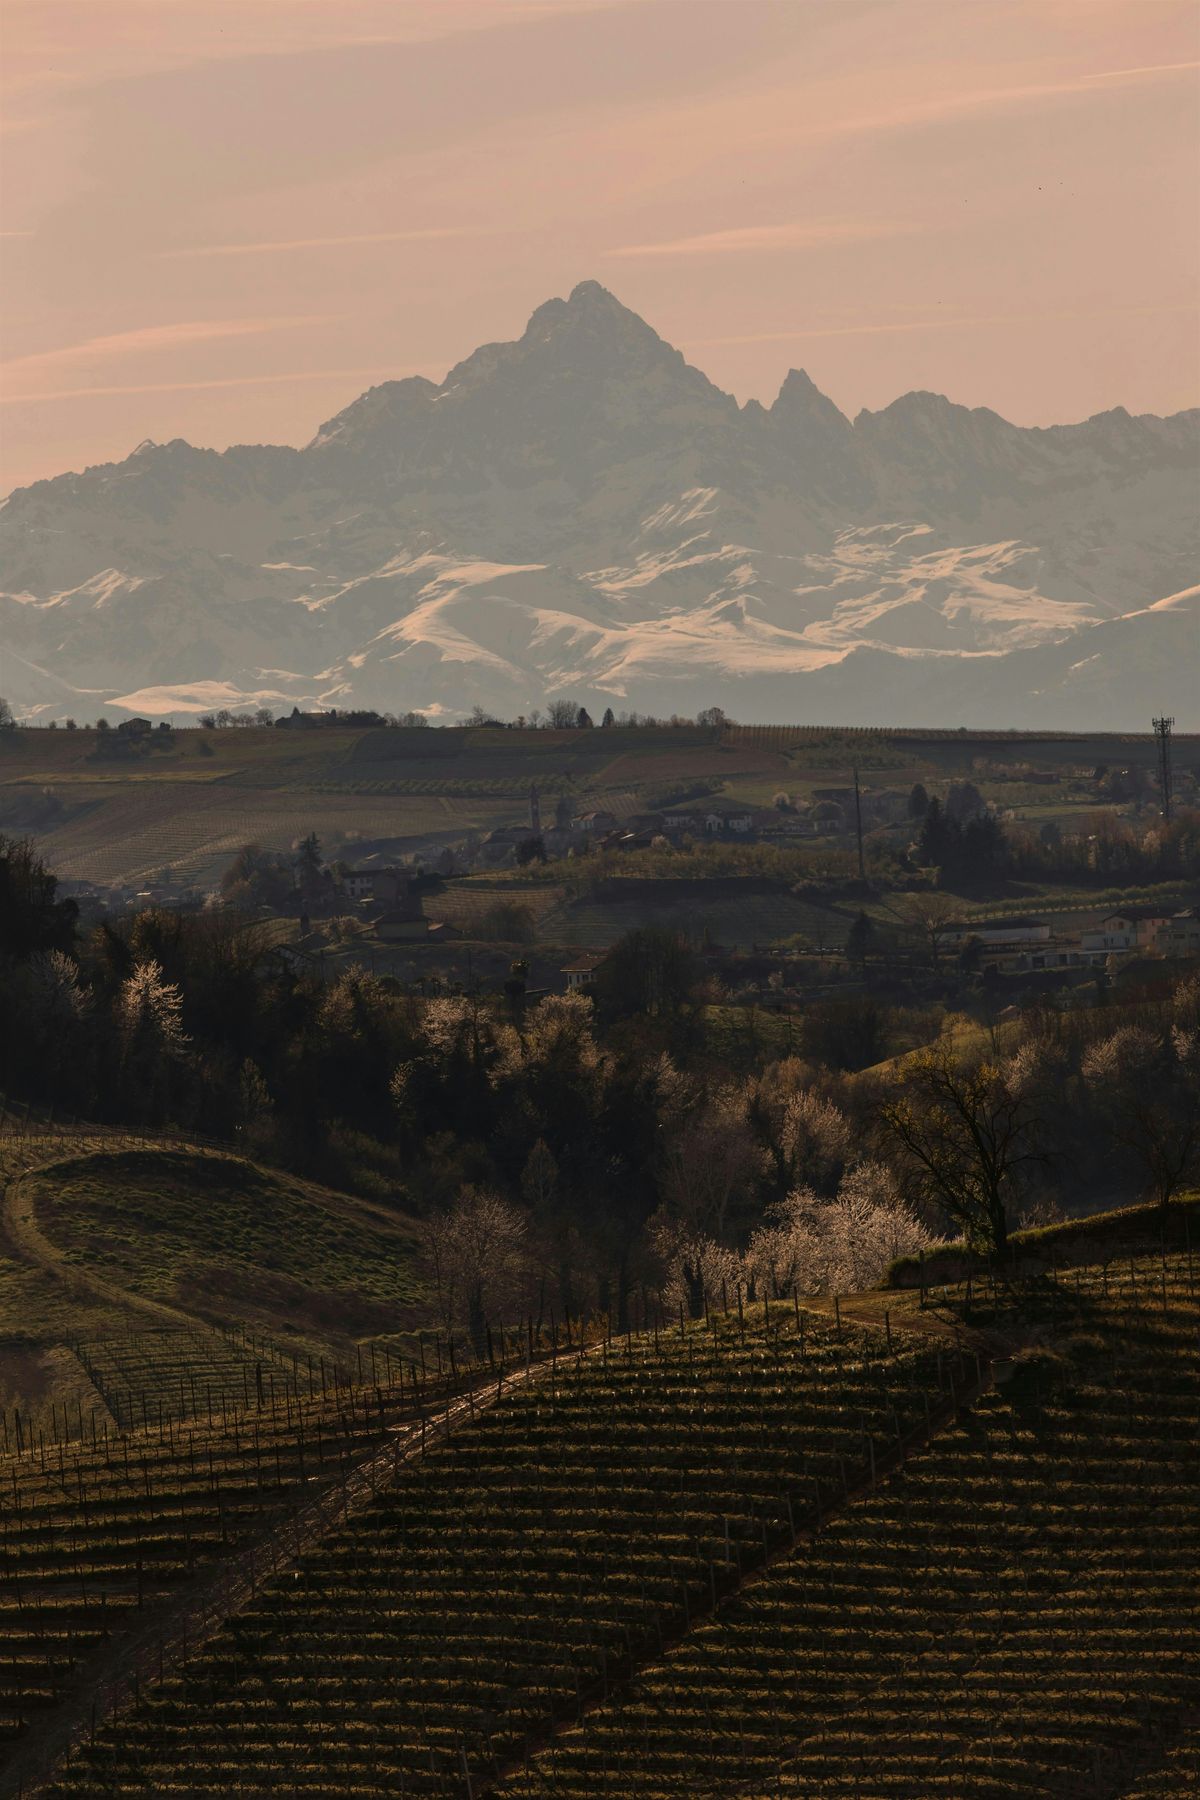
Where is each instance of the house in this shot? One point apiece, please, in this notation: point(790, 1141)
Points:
point(1132, 927)
point(594, 823)
point(728, 815)
point(997, 931)
point(1181, 934)
point(581, 973)
point(680, 819)
point(371, 881)
point(135, 728)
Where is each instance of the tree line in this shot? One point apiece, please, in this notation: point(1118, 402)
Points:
point(580, 1147)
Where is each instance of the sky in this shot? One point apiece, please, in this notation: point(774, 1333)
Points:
point(223, 219)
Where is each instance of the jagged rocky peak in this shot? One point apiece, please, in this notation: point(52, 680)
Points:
point(801, 399)
point(588, 337)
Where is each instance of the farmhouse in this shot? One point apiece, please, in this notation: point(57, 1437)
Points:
point(374, 881)
point(1132, 928)
point(594, 823)
point(581, 973)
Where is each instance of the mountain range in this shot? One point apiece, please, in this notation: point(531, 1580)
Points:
point(583, 513)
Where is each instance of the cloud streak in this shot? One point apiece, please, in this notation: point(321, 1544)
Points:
point(189, 387)
point(429, 234)
point(950, 322)
point(802, 234)
point(176, 336)
point(985, 100)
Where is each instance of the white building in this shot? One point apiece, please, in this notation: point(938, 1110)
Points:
point(999, 932)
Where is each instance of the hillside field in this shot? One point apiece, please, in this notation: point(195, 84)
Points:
point(898, 1544)
point(185, 808)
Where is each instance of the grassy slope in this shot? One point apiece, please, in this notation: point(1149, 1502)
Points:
point(231, 1243)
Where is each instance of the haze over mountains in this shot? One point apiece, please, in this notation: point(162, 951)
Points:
point(582, 512)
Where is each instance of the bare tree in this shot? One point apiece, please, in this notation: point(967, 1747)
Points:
point(477, 1258)
point(966, 1137)
point(928, 917)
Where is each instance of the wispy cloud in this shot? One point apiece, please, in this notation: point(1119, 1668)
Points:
point(1174, 68)
point(801, 234)
point(175, 336)
point(188, 387)
point(984, 100)
point(270, 246)
point(947, 322)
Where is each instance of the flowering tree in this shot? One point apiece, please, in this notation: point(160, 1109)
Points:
point(149, 1013)
point(476, 1251)
point(842, 1245)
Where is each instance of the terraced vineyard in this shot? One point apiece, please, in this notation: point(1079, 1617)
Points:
point(813, 1551)
point(1017, 1613)
point(103, 1537)
point(577, 1526)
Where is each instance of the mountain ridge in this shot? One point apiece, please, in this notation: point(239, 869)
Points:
point(606, 521)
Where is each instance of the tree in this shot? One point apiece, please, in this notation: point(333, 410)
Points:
point(530, 850)
point(649, 970)
point(918, 801)
point(562, 714)
point(264, 716)
point(476, 1253)
point(206, 721)
point(712, 717)
point(583, 719)
point(966, 1137)
point(928, 916)
point(150, 1028)
point(1148, 1086)
point(7, 717)
point(935, 837)
point(860, 940)
point(32, 918)
point(835, 1246)
point(964, 801)
point(608, 718)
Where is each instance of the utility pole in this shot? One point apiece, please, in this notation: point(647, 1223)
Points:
point(862, 867)
point(1162, 731)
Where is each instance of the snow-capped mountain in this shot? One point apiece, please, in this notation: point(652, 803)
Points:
point(583, 512)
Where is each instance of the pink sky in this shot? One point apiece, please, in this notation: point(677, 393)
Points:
point(222, 219)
